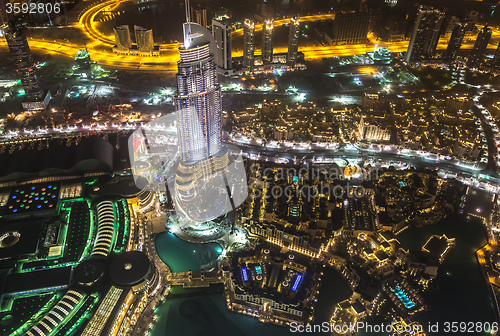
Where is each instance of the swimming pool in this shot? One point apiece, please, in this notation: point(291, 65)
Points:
point(403, 297)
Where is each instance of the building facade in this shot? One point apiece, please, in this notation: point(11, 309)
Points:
point(221, 29)
point(293, 40)
point(455, 43)
point(477, 54)
point(122, 39)
point(425, 34)
point(144, 39)
point(198, 100)
point(268, 41)
point(350, 28)
point(20, 51)
point(199, 16)
point(249, 44)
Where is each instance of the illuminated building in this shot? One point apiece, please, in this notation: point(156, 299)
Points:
point(221, 30)
point(144, 39)
point(82, 58)
point(350, 28)
point(268, 41)
point(20, 51)
point(425, 34)
point(293, 40)
point(199, 98)
point(200, 136)
point(391, 3)
point(122, 39)
point(249, 44)
point(438, 246)
point(477, 53)
point(456, 39)
point(260, 279)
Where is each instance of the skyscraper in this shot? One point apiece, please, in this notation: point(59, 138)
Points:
point(122, 39)
point(456, 39)
point(496, 58)
point(199, 96)
point(201, 196)
point(249, 43)
point(350, 28)
point(221, 30)
point(199, 15)
point(477, 54)
point(425, 34)
point(20, 51)
point(268, 41)
point(144, 39)
point(293, 40)
point(266, 9)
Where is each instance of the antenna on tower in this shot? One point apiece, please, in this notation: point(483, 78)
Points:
point(188, 15)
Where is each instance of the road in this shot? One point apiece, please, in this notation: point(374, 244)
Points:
point(101, 44)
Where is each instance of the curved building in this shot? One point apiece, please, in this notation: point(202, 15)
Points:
point(131, 269)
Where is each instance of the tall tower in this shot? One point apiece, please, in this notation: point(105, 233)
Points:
point(201, 191)
point(268, 41)
point(199, 96)
point(20, 51)
point(477, 53)
point(293, 40)
point(455, 43)
point(425, 34)
point(249, 43)
point(496, 58)
point(122, 39)
point(144, 39)
point(199, 15)
point(222, 35)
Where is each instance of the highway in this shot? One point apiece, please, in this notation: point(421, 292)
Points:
point(101, 44)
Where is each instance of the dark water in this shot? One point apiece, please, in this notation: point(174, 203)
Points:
point(182, 256)
point(463, 294)
point(208, 315)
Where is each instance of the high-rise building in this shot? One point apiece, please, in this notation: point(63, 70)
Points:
point(477, 54)
point(266, 9)
point(20, 51)
point(201, 197)
point(293, 40)
point(199, 96)
point(425, 34)
point(350, 28)
point(199, 15)
point(122, 39)
point(144, 39)
point(249, 43)
point(268, 41)
point(222, 13)
point(455, 43)
point(221, 29)
point(496, 58)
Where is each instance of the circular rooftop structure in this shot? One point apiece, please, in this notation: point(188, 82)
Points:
point(89, 272)
point(129, 268)
point(9, 239)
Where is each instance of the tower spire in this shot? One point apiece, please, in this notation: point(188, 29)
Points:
point(188, 15)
